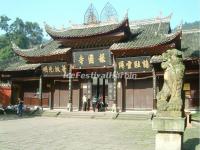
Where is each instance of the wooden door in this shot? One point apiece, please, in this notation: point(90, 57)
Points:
point(56, 98)
point(61, 95)
point(75, 95)
point(143, 94)
point(139, 94)
point(129, 95)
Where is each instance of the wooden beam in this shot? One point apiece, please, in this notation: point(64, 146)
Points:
point(26, 79)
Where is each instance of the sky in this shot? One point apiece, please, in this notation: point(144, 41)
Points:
point(59, 13)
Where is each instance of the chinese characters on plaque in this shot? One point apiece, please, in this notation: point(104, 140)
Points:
point(92, 58)
point(134, 64)
point(55, 69)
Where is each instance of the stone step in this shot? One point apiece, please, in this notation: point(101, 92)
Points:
point(50, 113)
point(137, 116)
point(97, 115)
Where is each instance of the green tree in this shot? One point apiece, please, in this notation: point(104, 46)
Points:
point(4, 23)
point(24, 34)
point(33, 33)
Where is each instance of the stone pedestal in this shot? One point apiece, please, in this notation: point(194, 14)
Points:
point(69, 107)
point(169, 134)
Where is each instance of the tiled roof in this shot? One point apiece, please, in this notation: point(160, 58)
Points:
point(152, 32)
point(2, 85)
point(85, 31)
point(7, 62)
point(190, 43)
point(50, 49)
point(21, 66)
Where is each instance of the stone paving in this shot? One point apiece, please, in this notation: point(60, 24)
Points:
point(50, 133)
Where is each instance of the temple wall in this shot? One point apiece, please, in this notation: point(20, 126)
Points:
point(5, 95)
point(191, 92)
point(138, 95)
point(31, 94)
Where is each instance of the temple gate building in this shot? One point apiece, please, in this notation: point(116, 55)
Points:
point(107, 58)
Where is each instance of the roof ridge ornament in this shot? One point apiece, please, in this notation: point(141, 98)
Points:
point(180, 27)
point(91, 15)
point(151, 21)
point(126, 14)
point(160, 17)
point(109, 13)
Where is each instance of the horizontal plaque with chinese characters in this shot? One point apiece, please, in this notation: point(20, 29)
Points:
point(134, 64)
point(55, 69)
point(92, 58)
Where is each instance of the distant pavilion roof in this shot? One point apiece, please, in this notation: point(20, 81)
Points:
point(189, 46)
point(190, 43)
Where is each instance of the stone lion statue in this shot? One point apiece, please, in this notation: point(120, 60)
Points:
point(169, 98)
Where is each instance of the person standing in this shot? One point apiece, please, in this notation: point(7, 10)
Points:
point(94, 102)
point(84, 99)
point(100, 103)
point(20, 107)
point(88, 104)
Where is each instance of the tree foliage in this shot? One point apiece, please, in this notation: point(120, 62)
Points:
point(4, 23)
point(24, 34)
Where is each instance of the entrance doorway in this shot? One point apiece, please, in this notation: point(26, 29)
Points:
point(139, 95)
point(100, 90)
point(60, 95)
point(95, 88)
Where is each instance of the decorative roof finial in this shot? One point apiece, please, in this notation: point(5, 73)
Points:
point(91, 15)
point(126, 14)
point(160, 22)
point(181, 24)
point(161, 14)
point(109, 13)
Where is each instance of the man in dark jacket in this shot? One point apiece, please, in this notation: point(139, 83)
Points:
point(20, 107)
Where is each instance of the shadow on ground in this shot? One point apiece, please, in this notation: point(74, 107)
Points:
point(12, 115)
point(191, 144)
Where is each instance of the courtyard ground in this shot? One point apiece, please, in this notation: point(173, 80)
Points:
point(51, 133)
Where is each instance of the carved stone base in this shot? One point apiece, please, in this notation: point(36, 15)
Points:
point(169, 124)
point(169, 114)
point(169, 134)
point(69, 107)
